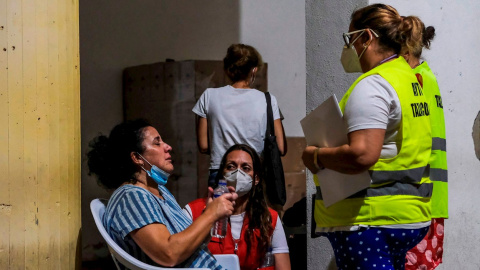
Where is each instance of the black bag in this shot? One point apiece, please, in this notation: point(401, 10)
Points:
point(272, 162)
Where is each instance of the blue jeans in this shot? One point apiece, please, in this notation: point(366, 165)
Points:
point(374, 248)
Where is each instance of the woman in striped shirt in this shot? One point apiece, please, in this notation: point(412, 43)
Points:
point(142, 216)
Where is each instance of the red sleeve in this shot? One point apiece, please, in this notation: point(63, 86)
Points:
point(197, 206)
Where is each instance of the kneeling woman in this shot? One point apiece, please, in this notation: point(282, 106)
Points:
point(254, 229)
point(142, 216)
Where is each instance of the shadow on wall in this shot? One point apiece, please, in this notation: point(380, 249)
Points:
point(476, 135)
point(115, 34)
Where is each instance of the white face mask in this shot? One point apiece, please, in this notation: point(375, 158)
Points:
point(350, 60)
point(240, 180)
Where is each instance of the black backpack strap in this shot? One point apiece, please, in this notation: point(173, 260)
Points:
point(270, 126)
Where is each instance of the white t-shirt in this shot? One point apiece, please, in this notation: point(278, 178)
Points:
point(374, 103)
point(279, 241)
point(234, 116)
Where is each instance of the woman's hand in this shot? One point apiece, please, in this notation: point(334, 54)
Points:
point(307, 158)
point(222, 206)
point(210, 193)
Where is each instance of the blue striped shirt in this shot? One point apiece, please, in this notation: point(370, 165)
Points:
point(131, 207)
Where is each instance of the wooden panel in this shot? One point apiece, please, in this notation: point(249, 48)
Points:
point(165, 125)
point(64, 138)
point(39, 144)
point(74, 157)
point(15, 134)
point(208, 74)
point(295, 178)
point(54, 137)
point(30, 140)
point(185, 138)
point(292, 161)
point(43, 174)
point(5, 204)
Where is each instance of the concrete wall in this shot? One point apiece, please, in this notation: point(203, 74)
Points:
point(325, 23)
point(277, 29)
point(455, 61)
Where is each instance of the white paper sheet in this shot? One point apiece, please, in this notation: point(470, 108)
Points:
point(324, 127)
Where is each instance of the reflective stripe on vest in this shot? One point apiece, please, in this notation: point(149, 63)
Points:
point(399, 193)
point(440, 175)
point(408, 176)
point(395, 188)
point(438, 158)
point(439, 144)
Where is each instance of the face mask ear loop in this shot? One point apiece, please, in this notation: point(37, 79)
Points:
point(369, 42)
point(145, 161)
point(144, 169)
point(364, 49)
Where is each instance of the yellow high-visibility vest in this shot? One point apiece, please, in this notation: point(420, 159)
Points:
point(400, 192)
point(438, 158)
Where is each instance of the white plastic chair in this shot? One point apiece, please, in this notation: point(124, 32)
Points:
point(227, 261)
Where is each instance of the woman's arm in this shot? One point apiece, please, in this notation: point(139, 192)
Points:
point(282, 261)
point(362, 152)
point(171, 249)
point(202, 135)
point(280, 135)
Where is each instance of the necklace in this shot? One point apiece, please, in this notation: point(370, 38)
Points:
point(388, 58)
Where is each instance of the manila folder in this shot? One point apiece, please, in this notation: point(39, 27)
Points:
point(324, 127)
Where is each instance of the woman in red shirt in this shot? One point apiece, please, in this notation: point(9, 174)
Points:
point(254, 229)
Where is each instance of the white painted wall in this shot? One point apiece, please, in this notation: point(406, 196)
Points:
point(276, 28)
point(455, 60)
point(325, 23)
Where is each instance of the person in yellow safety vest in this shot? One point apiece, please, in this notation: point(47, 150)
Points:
point(429, 252)
point(389, 134)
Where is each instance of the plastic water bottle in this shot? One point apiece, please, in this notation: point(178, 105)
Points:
point(219, 229)
point(269, 260)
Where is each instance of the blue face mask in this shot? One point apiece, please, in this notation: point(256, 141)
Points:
point(157, 174)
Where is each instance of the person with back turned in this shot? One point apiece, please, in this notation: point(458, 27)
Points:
point(236, 113)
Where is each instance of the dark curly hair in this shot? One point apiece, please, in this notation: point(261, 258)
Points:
point(256, 208)
point(109, 158)
point(240, 60)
